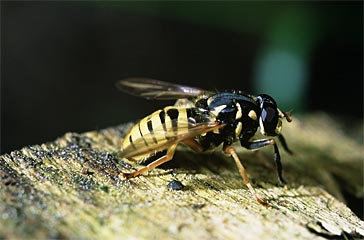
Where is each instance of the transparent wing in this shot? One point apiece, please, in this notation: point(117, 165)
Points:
point(160, 139)
point(155, 89)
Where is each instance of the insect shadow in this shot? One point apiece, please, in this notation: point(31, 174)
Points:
point(216, 165)
point(185, 160)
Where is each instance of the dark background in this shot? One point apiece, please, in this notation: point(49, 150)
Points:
point(60, 60)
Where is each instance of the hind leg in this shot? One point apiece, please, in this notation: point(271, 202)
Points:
point(152, 165)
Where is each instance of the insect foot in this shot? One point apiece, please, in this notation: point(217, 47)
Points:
point(127, 176)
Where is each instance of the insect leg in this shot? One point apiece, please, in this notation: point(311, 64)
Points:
point(231, 151)
point(194, 145)
point(154, 164)
point(284, 144)
point(277, 157)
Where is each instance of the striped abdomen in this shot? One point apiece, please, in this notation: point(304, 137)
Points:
point(154, 132)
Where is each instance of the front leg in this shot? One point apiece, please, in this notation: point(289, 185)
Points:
point(256, 144)
point(231, 151)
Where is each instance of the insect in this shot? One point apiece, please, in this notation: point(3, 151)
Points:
point(202, 120)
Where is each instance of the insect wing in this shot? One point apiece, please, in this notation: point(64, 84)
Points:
point(160, 139)
point(155, 89)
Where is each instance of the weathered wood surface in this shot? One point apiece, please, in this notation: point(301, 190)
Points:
point(70, 188)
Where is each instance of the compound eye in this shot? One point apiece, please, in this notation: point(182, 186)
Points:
point(269, 118)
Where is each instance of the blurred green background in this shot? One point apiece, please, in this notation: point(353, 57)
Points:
point(60, 60)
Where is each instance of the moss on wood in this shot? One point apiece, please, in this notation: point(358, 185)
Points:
point(70, 188)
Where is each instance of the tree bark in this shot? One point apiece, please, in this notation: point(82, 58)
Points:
point(72, 188)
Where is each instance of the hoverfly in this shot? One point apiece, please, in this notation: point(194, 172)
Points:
point(201, 120)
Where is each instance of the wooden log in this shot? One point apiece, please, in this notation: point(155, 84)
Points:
point(71, 188)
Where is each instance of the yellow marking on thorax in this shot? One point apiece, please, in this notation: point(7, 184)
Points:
point(239, 112)
point(238, 129)
point(218, 109)
point(253, 115)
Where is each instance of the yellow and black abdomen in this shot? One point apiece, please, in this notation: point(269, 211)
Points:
point(154, 132)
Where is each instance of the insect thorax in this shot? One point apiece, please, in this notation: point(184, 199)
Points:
point(239, 112)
